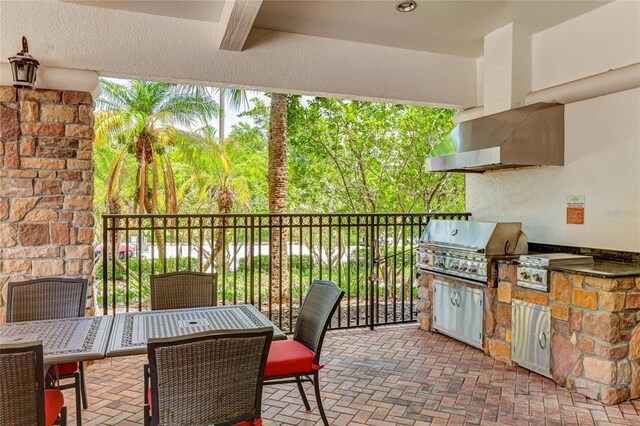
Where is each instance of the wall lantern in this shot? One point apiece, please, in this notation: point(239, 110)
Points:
point(24, 67)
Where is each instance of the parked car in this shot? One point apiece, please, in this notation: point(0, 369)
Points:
point(123, 250)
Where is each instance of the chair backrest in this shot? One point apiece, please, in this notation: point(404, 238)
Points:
point(46, 298)
point(316, 311)
point(21, 384)
point(183, 290)
point(208, 378)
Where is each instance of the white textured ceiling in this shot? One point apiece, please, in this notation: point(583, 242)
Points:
point(200, 10)
point(451, 27)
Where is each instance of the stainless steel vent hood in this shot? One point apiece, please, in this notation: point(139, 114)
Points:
point(523, 137)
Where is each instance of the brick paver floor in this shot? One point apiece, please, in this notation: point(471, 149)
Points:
point(392, 375)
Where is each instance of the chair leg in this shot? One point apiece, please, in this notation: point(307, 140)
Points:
point(304, 397)
point(76, 378)
point(83, 388)
point(63, 416)
point(316, 385)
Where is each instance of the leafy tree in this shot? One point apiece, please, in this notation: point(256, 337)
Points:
point(236, 99)
point(219, 188)
point(251, 158)
point(355, 156)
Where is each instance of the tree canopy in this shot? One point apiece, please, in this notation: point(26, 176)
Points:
point(343, 156)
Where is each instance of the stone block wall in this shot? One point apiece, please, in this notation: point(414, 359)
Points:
point(46, 186)
point(596, 335)
point(497, 317)
point(424, 304)
point(595, 322)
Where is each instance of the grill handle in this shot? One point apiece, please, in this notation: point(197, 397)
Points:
point(542, 340)
point(455, 247)
point(456, 298)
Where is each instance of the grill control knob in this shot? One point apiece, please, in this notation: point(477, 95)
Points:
point(464, 267)
point(473, 268)
point(439, 263)
point(536, 277)
point(454, 265)
point(524, 275)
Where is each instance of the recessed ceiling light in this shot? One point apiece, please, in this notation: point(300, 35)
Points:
point(406, 6)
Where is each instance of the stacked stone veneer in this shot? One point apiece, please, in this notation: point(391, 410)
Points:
point(595, 343)
point(46, 185)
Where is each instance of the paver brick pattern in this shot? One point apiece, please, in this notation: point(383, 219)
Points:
point(392, 375)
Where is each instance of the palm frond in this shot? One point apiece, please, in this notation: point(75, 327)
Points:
point(113, 96)
point(238, 99)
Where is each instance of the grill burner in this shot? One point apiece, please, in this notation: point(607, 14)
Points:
point(450, 262)
point(466, 248)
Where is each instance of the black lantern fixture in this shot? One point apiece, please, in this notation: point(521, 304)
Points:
point(24, 67)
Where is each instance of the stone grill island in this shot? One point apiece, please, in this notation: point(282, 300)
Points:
point(595, 324)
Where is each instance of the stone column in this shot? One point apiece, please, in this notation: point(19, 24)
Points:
point(46, 186)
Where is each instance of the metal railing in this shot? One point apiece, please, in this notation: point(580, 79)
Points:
point(270, 260)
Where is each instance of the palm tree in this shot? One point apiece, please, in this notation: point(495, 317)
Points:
point(211, 165)
point(236, 99)
point(143, 120)
point(278, 187)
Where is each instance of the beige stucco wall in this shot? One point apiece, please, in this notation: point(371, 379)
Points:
point(602, 141)
point(602, 162)
point(605, 38)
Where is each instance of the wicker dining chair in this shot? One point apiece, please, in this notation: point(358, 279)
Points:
point(178, 290)
point(214, 377)
point(298, 360)
point(53, 298)
point(24, 399)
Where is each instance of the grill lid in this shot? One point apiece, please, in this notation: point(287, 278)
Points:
point(489, 238)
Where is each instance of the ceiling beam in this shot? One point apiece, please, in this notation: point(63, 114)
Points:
point(236, 22)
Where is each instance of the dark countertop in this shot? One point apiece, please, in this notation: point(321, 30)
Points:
point(602, 269)
point(513, 261)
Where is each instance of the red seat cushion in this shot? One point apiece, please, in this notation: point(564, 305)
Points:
point(288, 357)
point(53, 402)
point(258, 421)
point(64, 369)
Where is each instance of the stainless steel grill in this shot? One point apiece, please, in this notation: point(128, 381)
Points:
point(533, 270)
point(466, 249)
point(459, 255)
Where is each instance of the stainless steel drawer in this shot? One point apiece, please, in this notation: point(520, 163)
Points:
point(458, 311)
point(531, 336)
